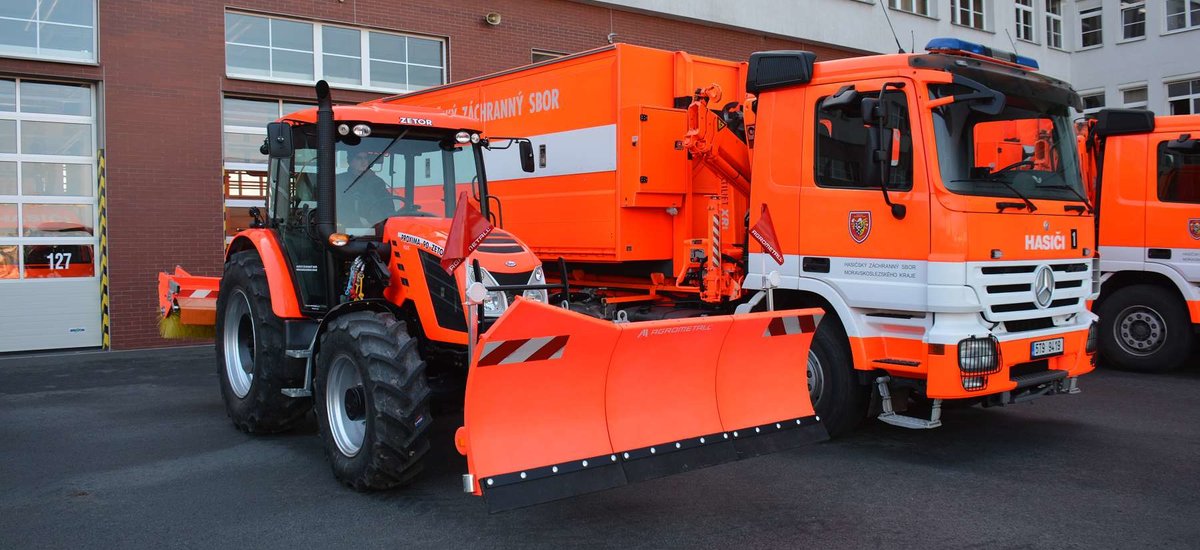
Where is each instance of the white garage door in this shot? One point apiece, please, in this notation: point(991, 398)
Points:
point(49, 269)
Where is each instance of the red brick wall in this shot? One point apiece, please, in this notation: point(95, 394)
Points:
point(161, 70)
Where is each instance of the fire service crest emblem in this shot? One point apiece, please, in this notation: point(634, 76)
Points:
point(860, 226)
point(1194, 228)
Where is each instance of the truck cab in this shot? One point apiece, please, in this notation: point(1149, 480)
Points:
point(1146, 176)
point(967, 273)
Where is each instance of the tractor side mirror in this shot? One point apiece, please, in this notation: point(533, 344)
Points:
point(525, 149)
point(279, 140)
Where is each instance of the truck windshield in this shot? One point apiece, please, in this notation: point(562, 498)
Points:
point(1026, 151)
point(401, 173)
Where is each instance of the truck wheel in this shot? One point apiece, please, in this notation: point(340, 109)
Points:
point(1145, 328)
point(372, 401)
point(832, 386)
point(252, 367)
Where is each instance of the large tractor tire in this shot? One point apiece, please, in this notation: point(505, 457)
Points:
point(837, 397)
point(1145, 328)
point(250, 351)
point(372, 401)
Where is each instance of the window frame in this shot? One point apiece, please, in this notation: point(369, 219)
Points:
point(1144, 104)
point(95, 59)
point(1133, 5)
point(1193, 94)
point(898, 6)
point(1054, 25)
point(1031, 9)
point(1093, 93)
point(1190, 23)
point(1089, 13)
point(549, 55)
point(957, 9)
point(364, 56)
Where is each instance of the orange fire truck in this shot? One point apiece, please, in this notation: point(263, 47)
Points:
point(1143, 175)
point(948, 265)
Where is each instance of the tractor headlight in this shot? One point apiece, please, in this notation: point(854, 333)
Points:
point(496, 302)
point(537, 278)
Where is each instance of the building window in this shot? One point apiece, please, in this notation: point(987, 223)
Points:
point(538, 56)
point(968, 13)
point(1091, 28)
point(1054, 24)
point(1135, 98)
point(919, 7)
point(1133, 19)
point(1184, 97)
point(244, 124)
point(270, 48)
point(1025, 20)
point(47, 180)
point(1092, 102)
point(1183, 14)
point(57, 30)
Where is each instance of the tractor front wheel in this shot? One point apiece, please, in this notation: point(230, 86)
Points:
point(252, 367)
point(372, 401)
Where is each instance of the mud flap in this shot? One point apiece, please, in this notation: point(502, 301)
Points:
point(560, 404)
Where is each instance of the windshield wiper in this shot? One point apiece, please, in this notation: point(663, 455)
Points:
point(1002, 205)
point(1087, 204)
point(376, 159)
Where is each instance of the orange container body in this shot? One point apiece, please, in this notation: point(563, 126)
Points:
point(613, 182)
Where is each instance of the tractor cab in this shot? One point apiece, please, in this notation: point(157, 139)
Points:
point(362, 200)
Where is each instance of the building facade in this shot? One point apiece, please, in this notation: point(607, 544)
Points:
point(129, 129)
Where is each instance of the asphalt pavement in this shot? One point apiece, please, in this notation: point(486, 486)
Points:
point(133, 449)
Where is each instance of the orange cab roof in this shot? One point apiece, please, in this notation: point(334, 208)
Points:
point(1178, 123)
point(390, 113)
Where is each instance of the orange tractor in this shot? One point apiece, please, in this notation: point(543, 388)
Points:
point(341, 299)
point(950, 264)
point(1144, 177)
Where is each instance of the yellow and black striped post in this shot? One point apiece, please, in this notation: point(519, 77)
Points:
point(102, 194)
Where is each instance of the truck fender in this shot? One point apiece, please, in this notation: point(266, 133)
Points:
point(849, 319)
point(285, 303)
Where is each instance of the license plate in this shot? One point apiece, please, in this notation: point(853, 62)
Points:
point(1046, 348)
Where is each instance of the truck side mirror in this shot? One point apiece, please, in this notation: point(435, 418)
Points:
point(525, 150)
point(883, 148)
point(279, 140)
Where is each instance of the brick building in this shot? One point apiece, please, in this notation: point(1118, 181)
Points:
point(174, 94)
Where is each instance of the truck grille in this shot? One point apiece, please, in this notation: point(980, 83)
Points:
point(1008, 293)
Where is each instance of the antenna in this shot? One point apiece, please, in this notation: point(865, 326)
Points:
point(1011, 41)
point(883, 6)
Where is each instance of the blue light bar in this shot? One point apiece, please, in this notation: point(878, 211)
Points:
point(956, 45)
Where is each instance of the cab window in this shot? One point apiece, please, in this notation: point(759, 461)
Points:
point(1179, 173)
point(842, 148)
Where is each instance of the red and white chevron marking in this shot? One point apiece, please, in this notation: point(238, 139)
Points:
point(796, 324)
point(507, 352)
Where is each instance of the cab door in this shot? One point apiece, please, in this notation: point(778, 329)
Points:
point(848, 234)
point(1173, 204)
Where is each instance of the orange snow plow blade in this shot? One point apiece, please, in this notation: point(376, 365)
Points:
point(559, 403)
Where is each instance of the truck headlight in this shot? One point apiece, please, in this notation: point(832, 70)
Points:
point(977, 358)
point(538, 277)
point(496, 302)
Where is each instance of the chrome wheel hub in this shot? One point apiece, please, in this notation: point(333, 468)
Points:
point(1140, 330)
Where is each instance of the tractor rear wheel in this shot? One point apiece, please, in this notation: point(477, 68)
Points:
point(251, 363)
point(372, 400)
point(836, 395)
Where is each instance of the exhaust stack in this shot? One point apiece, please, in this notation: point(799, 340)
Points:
point(326, 188)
